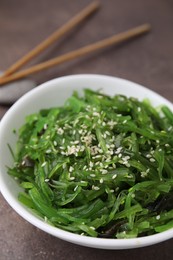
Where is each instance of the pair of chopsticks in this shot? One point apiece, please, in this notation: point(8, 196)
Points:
point(12, 72)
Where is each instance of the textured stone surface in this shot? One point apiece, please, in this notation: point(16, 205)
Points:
point(147, 60)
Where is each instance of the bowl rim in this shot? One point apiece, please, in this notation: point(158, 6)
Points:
point(104, 243)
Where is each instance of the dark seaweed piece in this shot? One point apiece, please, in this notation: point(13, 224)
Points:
point(162, 203)
point(111, 229)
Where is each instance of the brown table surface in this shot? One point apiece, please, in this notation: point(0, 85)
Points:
point(147, 60)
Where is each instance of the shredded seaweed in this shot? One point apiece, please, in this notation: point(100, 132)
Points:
point(99, 166)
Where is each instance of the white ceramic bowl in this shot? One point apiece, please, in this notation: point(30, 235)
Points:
point(54, 93)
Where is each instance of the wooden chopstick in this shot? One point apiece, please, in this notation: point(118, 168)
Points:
point(115, 39)
point(53, 37)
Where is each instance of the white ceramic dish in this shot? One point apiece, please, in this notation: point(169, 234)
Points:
point(54, 93)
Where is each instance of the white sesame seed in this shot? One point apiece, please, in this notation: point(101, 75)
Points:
point(82, 148)
point(45, 126)
point(95, 187)
point(125, 158)
point(93, 228)
point(125, 121)
point(143, 174)
point(120, 155)
point(101, 180)
point(111, 124)
point(80, 131)
point(48, 151)
point(104, 136)
point(103, 171)
point(46, 180)
point(60, 131)
point(158, 217)
point(114, 176)
point(108, 159)
point(118, 150)
point(96, 114)
point(83, 126)
point(71, 150)
point(111, 152)
point(152, 160)
point(124, 162)
point(92, 175)
point(167, 145)
point(72, 178)
point(112, 191)
point(75, 188)
point(101, 164)
point(84, 132)
point(91, 164)
point(71, 169)
point(129, 176)
point(55, 143)
point(97, 163)
point(43, 164)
